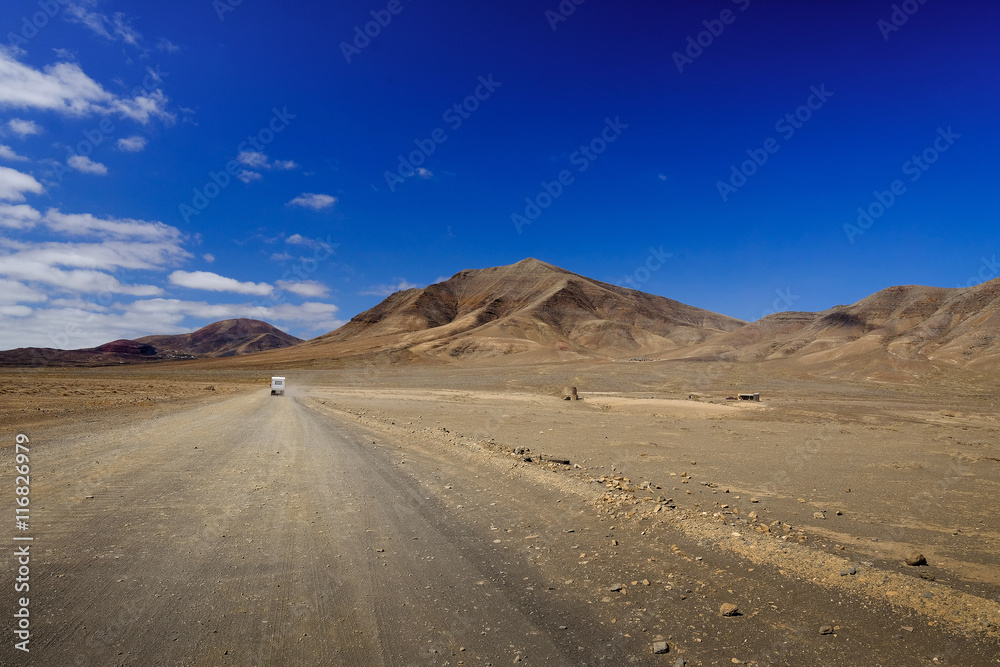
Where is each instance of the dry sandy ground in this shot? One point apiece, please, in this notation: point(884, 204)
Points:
point(380, 516)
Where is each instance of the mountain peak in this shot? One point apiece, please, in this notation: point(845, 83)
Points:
point(527, 306)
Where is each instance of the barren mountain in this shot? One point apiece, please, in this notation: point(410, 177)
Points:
point(897, 329)
point(527, 307)
point(220, 339)
point(224, 339)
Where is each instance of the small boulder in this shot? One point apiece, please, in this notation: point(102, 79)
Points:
point(916, 558)
point(728, 609)
point(659, 648)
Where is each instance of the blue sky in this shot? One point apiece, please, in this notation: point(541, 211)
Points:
point(166, 165)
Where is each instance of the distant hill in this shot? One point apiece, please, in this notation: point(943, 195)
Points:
point(527, 308)
point(227, 338)
point(220, 339)
point(898, 329)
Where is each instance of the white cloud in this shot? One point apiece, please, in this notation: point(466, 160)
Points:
point(13, 184)
point(425, 173)
point(208, 257)
point(307, 288)
point(258, 160)
point(8, 153)
point(24, 128)
point(85, 165)
point(65, 88)
point(132, 144)
point(167, 46)
point(15, 311)
point(206, 280)
point(12, 291)
point(116, 27)
point(386, 290)
point(248, 176)
point(317, 202)
point(252, 159)
point(124, 246)
point(106, 255)
point(18, 216)
point(86, 281)
point(82, 224)
point(315, 244)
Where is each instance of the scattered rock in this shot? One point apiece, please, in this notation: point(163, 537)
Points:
point(729, 609)
point(659, 648)
point(916, 558)
point(826, 630)
point(908, 628)
point(520, 450)
point(819, 515)
point(928, 576)
point(615, 588)
point(681, 662)
point(755, 500)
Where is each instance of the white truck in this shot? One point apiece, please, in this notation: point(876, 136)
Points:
point(277, 386)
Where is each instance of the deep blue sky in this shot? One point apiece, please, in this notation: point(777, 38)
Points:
point(317, 233)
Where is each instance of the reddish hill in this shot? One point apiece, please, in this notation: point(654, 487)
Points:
point(224, 339)
point(220, 339)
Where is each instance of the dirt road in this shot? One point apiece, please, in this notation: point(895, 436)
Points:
point(253, 530)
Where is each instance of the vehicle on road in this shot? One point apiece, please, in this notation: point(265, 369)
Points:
point(277, 386)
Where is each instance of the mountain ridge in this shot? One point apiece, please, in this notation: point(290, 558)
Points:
point(224, 338)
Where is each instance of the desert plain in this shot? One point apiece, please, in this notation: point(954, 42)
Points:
point(467, 514)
